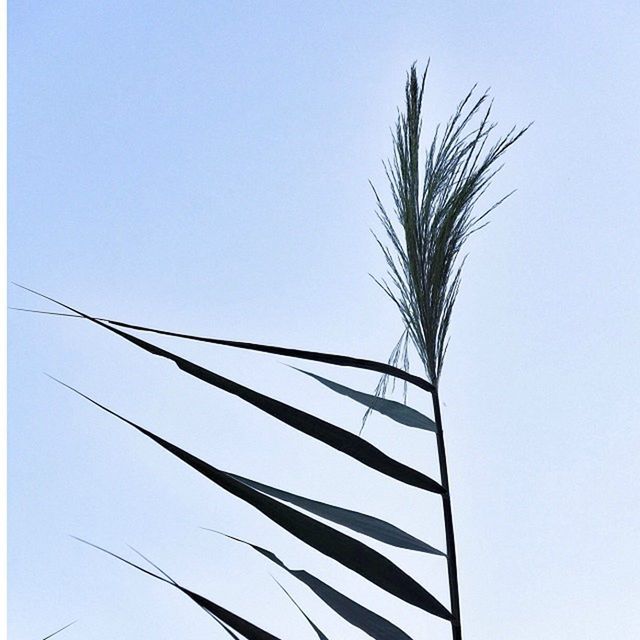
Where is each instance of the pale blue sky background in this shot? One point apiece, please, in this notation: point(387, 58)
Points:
point(204, 166)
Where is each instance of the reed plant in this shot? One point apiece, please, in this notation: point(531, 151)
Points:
point(435, 198)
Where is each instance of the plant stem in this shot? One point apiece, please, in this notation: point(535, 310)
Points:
point(452, 567)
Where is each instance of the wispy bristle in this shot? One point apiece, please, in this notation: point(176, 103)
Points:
point(436, 214)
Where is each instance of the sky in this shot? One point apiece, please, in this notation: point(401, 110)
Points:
point(204, 167)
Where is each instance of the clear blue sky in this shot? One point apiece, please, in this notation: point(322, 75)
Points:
point(204, 166)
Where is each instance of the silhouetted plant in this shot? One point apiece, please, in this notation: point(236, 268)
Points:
point(433, 214)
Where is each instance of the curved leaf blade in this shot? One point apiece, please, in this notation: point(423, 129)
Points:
point(224, 626)
point(355, 614)
point(313, 356)
point(227, 629)
point(219, 613)
point(319, 633)
point(397, 411)
point(349, 552)
point(337, 438)
point(242, 626)
point(354, 520)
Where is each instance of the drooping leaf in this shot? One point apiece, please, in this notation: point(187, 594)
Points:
point(242, 626)
point(313, 356)
point(227, 629)
point(319, 633)
point(371, 623)
point(224, 626)
point(349, 552)
point(337, 438)
point(395, 410)
point(360, 522)
point(235, 622)
point(55, 633)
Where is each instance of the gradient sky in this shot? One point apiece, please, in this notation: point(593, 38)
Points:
point(204, 166)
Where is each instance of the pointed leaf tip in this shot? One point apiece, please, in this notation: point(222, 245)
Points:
point(220, 614)
point(349, 610)
point(362, 523)
point(348, 551)
point(397, 411)
point(55, 633)
point(330, 434)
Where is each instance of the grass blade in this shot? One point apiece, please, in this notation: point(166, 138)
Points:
point(242, 626)
point(349, 552)
point(313, 356)
point(55, 633)
point(397, 411)
point(227, 629)
point(354, 520)
point(222, 615)
point(337, 438)
point(319, 633)
point(355, 614)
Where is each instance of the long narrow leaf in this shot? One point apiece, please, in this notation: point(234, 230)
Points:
point(242, 626)
point(314, 356)
point(395, 410)
point(55, 633)
point(371, 623)
point(349, 552)
point(225, 627)
point(319, 633)
point(360, 522)
point(337, 438)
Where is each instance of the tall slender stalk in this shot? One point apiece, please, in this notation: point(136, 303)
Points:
point(452, 563)
point(434, 215)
